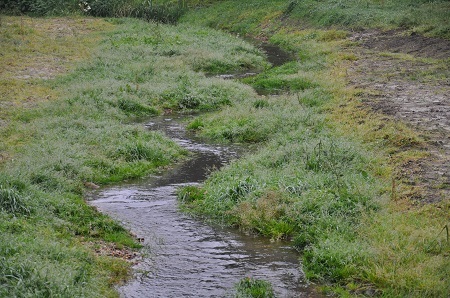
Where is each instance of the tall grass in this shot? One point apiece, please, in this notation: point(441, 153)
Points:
point(253, 288)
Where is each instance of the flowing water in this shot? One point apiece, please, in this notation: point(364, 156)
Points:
point(186, 257)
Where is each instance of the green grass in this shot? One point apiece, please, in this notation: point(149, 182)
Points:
point(262, 17)
point(253, 288)
point(87, 133)
point(422, 16)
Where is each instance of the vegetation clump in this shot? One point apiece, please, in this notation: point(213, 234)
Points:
point(253, 288)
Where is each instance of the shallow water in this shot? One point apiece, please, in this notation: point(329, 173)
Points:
point(186, 257)
point(275, 55)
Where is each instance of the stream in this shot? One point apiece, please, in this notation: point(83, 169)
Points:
point(184, 256)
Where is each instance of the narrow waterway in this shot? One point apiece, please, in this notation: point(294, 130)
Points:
point(186, 257)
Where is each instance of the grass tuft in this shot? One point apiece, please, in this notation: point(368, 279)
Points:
point(12, 201)
point(253, 288)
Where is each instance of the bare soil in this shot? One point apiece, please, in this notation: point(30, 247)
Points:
point(396, 41)
point(415, 89)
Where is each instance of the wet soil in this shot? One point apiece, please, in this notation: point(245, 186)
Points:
point(275, 55)
point(397, 41)
point(415, 89)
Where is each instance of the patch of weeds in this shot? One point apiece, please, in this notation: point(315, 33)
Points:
point(129, 106)
point(12, 201)
point(140, 151)
point(331, 35)
point(189, 101)
point(46, 181)
point(315, 97)
point(253, 288)
point(196, 124)
point(190, 193)
point(334, 259)
point(214, 66)
point(287, 68)
point(276, 82)
point(261, 103)
point(238, 190)
point(265, 215)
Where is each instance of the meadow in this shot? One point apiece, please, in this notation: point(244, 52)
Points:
point(323, 175)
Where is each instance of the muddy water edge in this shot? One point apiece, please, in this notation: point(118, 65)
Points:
point(183, 256)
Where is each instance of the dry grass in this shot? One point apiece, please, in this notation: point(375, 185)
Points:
point(34, 50)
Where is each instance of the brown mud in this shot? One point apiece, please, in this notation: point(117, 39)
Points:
point(407, 77)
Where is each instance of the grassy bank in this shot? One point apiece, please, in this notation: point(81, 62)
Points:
point(427, 17)
point(261, 17)
point(324, 173)
point(65, 128)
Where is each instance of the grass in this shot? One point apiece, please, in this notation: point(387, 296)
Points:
point(310, 179)
point(85, 132)
point(262, 18)
point(253, 288)
point(163, 11)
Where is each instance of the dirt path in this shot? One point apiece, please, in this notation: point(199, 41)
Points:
point(413, 88)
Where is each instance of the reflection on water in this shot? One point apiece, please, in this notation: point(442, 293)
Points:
point(186, 257)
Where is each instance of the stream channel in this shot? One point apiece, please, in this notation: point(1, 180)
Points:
point(184, 256)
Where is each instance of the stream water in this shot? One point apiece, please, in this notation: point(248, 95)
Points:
point(185, 256)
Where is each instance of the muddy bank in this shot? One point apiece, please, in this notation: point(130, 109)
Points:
point(415, 91)
point(398, 41)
